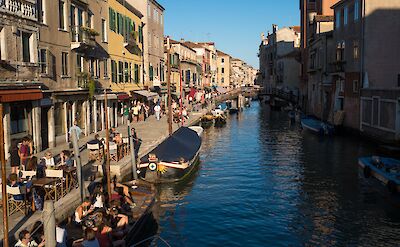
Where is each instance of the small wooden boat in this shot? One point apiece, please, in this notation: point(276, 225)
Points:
point(173, 159)
point(219, 121)
point(207, 121)
point(316, 126)
point(233, 110)
point(386, 170)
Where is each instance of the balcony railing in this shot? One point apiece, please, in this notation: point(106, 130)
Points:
point(82, 35)
point(21, 8)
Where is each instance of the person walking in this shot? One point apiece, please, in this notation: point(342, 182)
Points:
point(135, 110)
point(76, 128)
point(15, 160)
point(157, 110)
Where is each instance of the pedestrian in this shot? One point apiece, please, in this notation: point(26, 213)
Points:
point(146, 111)
point(76, 128)
point(15, 160)
point(135, 110)
point(24, 151)
point(157, 110)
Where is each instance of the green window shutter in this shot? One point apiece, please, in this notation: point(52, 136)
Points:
point(112, 19)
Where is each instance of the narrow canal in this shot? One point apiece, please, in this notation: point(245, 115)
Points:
point(263, 182)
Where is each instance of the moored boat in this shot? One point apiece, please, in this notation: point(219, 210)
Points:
point(386, 170)
point(316, 126)
point(207, 121)
point(233, 110)
point(219, 121)
point(173, 159)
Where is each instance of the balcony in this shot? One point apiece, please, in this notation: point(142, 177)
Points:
point(337, 66)
point(82, 37)
point(132, 45)
point(22, 8)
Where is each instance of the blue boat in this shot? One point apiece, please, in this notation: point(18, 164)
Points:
point(316, 126)
point(386, 170)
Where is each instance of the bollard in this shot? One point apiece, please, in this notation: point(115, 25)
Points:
point(49, 223)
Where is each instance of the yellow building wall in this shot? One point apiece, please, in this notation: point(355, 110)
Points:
point(227, 71)
point(118, 52)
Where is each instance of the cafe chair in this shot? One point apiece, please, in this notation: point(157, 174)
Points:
point(16, 205)
point(29, 174)
point(95, 152)
point(113, 151)
point(56, 189)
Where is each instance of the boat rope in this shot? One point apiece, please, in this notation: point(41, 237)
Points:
point(154, 237)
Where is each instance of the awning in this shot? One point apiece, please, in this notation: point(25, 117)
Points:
point(146, 94)
point(20, 95)
point(192, 92)
point(109, 96)
point(123, 96)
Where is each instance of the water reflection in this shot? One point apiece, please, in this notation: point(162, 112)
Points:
point(264, 182)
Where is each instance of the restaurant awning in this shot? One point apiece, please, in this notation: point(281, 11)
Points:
point(146, 94)
point(20, 95)
point(102, 96)
point(123, 96)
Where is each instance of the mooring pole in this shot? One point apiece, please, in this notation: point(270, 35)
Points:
point(4, 180)
point(79, 173)
point(49, 223)
point(169, 88)
point(108, 148)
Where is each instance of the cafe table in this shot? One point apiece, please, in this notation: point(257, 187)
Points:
point(45, 184)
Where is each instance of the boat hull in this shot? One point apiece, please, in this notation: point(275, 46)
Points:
point(380, 172)
point(169, 174)
point(317, 127)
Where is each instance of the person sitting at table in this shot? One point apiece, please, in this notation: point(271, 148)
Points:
point(89, 240)
point(118, 220)
point(33, 165)
point(14, 182)
point(66, 159)
point(112, 133)
point(83, 210)
point(48, 160)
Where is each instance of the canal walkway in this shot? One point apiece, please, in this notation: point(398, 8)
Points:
point(151, 132)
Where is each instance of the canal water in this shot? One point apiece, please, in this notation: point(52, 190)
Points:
point(264, 182)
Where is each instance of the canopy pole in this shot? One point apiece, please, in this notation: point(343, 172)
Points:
point(4, 180)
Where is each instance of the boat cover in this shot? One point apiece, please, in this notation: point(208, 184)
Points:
point(184, 143)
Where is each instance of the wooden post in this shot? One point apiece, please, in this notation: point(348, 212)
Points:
point(169, 88)
point(74, 138)
point(49, 223)
point(108, 147)
point(3, 179)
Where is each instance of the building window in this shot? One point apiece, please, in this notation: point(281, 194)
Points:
point(187, 75)
point(19, 118)
point(151, 74)
point(41, 9)
point(149, 11)
point(222, 80)
point(356, 10)
point(43, 61)
point(337, 19)
point(3, 53)
point(136, 73)
point(111, 14)
point(120, 72)
point(26, 47)
point(356, 49)
point(345, 15)
point(140, 34)
point(97, 68)
point(92, 66)
point(64, 63)
point(222, 60)
point(161, 19)
point(222, 70)
point(355, 86)
point(79, 63)
point(103, 30)
point(113, 71)
point(89, 21)
point(340, 51)
point(126, 72)
point(105, 69)
point(61, 19)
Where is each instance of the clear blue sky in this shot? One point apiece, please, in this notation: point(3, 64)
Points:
point(235, 26)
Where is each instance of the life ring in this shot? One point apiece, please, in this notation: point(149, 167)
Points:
point(153, 166)
point(367, 172)
point(392, 187)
